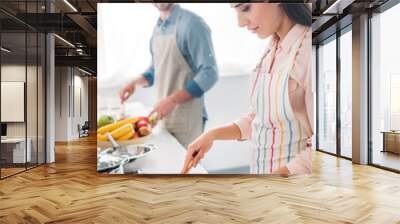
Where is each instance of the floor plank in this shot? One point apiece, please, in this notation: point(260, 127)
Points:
point(71, 191)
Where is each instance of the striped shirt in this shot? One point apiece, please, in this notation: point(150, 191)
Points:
point(300, 90)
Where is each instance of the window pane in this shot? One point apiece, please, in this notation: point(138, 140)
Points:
point(13, 84)
point(327, 97)
point(385, 85)
point(346, 94)
point(31, 97)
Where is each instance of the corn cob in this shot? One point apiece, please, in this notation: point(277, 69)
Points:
point(127, 136)
point(121, 131)
point(102, 138)
point(116, 125)
point(125, 132)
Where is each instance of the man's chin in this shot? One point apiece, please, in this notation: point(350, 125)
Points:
point(163, 6)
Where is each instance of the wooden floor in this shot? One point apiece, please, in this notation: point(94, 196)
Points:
point(387, 159)
point(10, 171)
point(5, 172)
point(70, 191)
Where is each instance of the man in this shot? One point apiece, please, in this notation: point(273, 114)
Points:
point(183, 68)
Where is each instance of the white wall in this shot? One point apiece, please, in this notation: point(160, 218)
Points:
point(79, 117)
point(227, 102)
point(61, 103)
point(68, 81)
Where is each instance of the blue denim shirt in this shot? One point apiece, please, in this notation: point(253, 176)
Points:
point(193, 38)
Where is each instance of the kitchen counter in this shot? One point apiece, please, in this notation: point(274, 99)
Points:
point(167, 158)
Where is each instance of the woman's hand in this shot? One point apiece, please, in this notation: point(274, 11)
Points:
point(199, 147)
point(196, 150)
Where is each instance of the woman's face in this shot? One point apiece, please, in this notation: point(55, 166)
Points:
point(263, 19)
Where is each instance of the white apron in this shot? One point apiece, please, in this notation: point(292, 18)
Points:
point(172, 73)
point(277, 135)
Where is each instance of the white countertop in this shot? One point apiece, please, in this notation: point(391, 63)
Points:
point(169, 156)
point(13, 140)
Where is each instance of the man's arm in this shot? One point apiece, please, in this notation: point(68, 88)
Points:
point(149, 73)
point(198, 48)
point(194, 41)
point(199, 51)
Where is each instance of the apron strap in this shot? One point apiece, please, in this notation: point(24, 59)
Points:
point(291, 62)
point(258, 71)
point(293, 54)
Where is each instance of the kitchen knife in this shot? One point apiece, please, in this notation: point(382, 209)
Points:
point(190, 165)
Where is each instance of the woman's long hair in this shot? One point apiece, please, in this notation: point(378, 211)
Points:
point(298, 12)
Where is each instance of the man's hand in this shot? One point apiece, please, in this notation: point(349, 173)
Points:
point(165, 107)
point(127, 91)
point(168, 104)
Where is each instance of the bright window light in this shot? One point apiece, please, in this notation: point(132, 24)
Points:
point(125, 30)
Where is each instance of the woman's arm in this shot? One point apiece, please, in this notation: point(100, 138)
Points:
point(244, 125)
point(227, 132)
point(199, 147)
point(239, 130)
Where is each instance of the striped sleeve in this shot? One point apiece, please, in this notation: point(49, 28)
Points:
point(244, 124)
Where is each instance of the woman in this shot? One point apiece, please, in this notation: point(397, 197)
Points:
point(279, 123)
